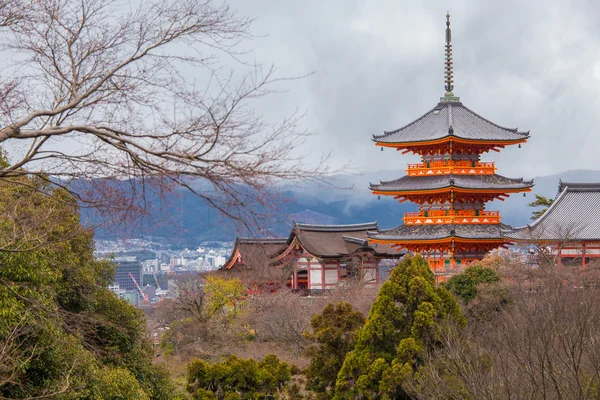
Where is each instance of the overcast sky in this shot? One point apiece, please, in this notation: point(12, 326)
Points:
point(378, 65)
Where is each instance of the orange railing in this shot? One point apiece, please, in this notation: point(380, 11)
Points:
point(452, 167)
point(451, 216)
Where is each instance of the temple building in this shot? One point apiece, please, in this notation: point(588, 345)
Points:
point(250, 261)
point(328, 256)
point(569, 231)
point(451, 184)
point(313, 258)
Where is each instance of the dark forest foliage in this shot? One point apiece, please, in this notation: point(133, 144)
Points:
point(62, 333)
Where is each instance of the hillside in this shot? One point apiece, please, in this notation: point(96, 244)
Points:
point(344, 199)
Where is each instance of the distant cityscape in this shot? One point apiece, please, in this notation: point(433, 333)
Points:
point(145, 268)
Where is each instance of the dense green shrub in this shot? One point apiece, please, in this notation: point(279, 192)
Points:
point(464, 285)
point(333, 334)
point(238, 378)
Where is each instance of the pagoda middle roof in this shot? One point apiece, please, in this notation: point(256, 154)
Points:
point(451, 119)
point(442, 231)
point(433, 182)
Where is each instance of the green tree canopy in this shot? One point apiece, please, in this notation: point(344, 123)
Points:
point(540, 201)
point(333, 332)
point(464, 285)
point(238, 378)
point(404, 321)
point(63, 334)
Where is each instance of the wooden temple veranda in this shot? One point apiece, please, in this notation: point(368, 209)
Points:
point(451, 184)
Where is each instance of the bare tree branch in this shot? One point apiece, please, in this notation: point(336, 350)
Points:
point(96, 89)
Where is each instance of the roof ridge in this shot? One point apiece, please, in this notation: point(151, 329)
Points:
point(578, 185)
point(260, 240)
point(336, 227)
point(354, 240)
point(521, 179)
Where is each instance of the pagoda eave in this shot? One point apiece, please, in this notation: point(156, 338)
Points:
point(447, 140)
point(448, 190)
point(449, 239)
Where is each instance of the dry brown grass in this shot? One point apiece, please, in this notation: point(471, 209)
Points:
point(268, 324)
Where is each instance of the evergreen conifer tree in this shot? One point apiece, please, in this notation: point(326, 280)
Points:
point(404, 321)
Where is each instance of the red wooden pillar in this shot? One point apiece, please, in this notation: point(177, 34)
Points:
point(295, 283)
point(308, 286)
point(583, 255)
point(322, 275)
point(559, 252)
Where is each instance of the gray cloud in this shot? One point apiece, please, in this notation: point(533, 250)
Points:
point(379, 65)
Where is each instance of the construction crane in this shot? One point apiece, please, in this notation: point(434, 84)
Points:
point(144, 296)
point(159, 292)
point(156, 280)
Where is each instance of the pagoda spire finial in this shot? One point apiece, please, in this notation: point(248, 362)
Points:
point(449, 75)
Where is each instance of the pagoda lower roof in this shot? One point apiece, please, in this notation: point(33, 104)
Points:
point(451, 120)
point(436, 182)
point(409, 233)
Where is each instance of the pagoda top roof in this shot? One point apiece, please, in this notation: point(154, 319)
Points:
point(404, 233)
point(451, 120)
point(573, 216)
point(434, 182)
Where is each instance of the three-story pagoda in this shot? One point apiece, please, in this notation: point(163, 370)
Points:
point(451, 185)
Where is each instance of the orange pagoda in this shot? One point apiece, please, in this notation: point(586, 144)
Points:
point(451, 185)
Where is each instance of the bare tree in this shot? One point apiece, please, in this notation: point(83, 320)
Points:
point(137, 93)
point(545, 344)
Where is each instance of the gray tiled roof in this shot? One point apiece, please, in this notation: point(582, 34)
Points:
point(255, 253)
point(436, 124)
point(574, 215)
point(423, 232)
point(338, 240)
point(408, 183)
point(337, 228)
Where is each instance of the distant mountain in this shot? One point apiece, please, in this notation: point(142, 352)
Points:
point(343, 199)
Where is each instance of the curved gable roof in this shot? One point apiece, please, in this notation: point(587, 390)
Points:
point(451, 119)
point(574, 215)
point(255, 254)
point(337, 240)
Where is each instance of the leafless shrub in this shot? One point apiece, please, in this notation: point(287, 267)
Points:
point(283, 317)
point(544, 345)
